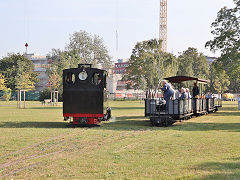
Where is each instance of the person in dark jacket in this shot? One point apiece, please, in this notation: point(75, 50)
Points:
point(168, 92)
point(195, 90)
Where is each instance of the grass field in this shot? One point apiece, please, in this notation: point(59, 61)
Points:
point(35, 143)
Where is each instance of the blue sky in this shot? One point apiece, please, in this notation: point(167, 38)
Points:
point(47, 24)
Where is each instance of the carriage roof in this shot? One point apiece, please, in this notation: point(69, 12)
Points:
point(179, 79)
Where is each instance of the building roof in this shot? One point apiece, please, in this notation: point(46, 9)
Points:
point(34, 57)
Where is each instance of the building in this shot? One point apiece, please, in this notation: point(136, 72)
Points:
point(120, 67)
point(117, 87)
point(112, 80)
point(41, 63)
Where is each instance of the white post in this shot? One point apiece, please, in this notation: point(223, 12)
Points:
point(54, 103)
point(17, 98)
point(51, 97)
point(20, 99)
point(57, 97)
point(24, 97)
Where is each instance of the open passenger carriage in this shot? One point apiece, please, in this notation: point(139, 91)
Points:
point(180, 109)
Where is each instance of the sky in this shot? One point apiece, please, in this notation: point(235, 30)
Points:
point(48, 24)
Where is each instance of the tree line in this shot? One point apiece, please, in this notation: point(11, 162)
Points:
point(17, 71)
point(148, 64)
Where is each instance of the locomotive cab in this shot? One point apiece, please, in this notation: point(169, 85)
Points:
point(85, 95)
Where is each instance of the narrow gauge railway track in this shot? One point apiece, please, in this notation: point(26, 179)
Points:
point(41, 149)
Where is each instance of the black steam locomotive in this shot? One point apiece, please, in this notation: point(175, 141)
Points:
point(180, 109)
point(85, 95)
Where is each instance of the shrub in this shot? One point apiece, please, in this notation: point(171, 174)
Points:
point(45, 94)
point(7, 94)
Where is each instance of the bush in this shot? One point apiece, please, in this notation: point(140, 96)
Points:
point(7, 94)
point(45, 94)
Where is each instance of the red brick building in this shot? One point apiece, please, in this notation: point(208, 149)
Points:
point(120, 67)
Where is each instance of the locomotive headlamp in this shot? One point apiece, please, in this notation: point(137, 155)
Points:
point(83, 75)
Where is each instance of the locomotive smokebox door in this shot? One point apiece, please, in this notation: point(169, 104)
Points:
point(83, 93)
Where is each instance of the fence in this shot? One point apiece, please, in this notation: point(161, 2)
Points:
point(127, 96)
point(30, 96)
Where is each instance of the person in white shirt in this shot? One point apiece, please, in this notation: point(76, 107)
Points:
point(177, 94)
point(188, 94)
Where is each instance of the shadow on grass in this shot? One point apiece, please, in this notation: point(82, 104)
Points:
point(33, 125)
point(234, 108)
point(222, 113)
point(48, 107)
point(126, 108)
point(132, 123)
point(142, 123)
point(127, 123)
point(229, 170)
point(194, 126)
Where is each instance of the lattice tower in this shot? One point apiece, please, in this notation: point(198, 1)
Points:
point(163, 24)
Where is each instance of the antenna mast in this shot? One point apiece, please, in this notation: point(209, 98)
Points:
point(163, 24)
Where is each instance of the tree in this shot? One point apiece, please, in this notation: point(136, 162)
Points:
point(53, 80)
point(227, 39)
point(14, 66)
point(6, 91)
point(193, 63)
point(53, 84)
point(90, 48)
point(7, 94)
point(226, 30)
point(235, 77)
point(63, 60)
point(24, 82)
point(60, 60)
point(219, 80)
point(82, 48)
point(2, 82)
point(148, 65)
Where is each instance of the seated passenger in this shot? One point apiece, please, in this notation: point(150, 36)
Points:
point(188, 94)
point(208, 95)
point(183, 94)
point(177, 94)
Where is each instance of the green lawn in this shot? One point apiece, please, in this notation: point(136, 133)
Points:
point(35, 143)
